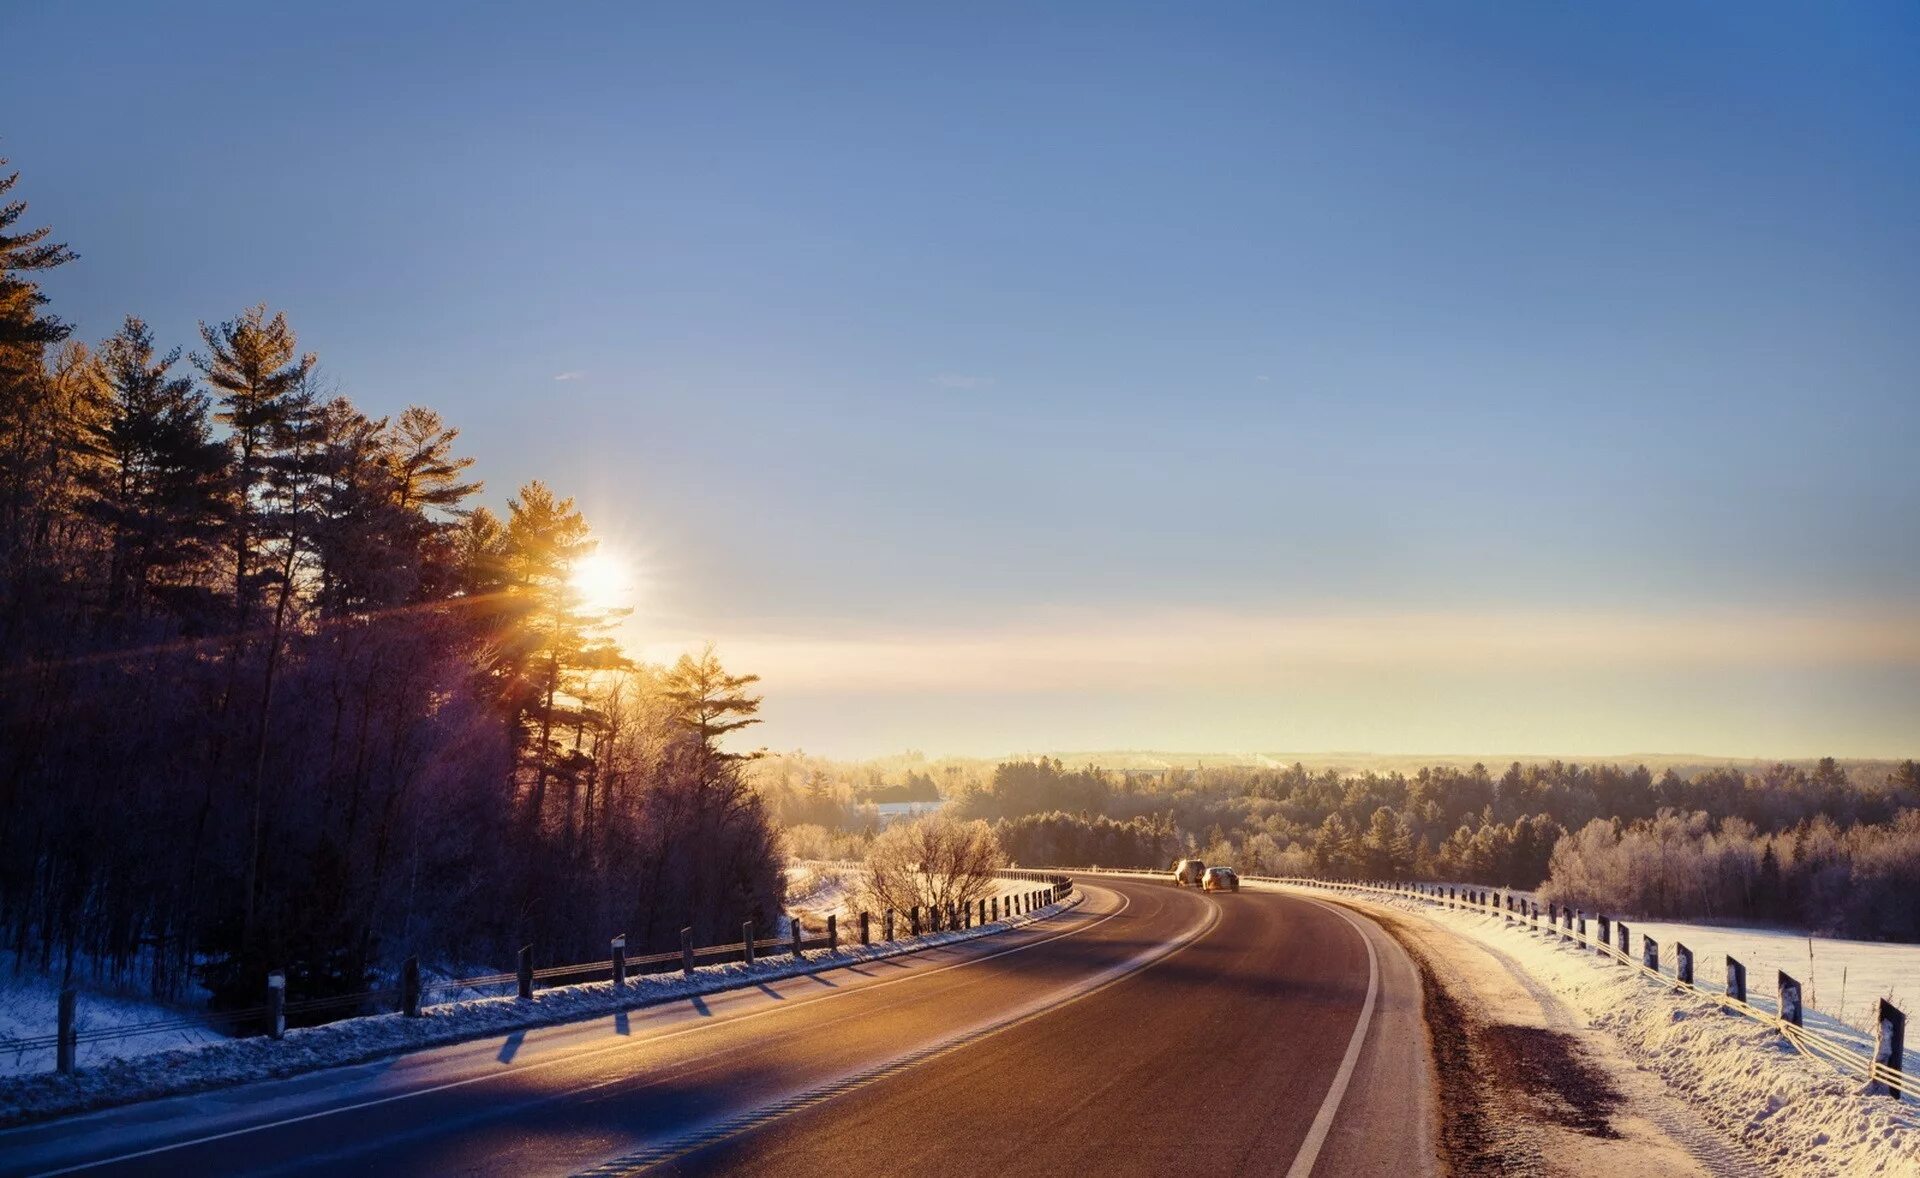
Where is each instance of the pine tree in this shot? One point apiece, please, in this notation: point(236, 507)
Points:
point(157, 485)
point(548, 643)
point(255, 366)
point(34, 430)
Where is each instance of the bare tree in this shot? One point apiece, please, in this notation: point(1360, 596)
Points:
point(935, 861)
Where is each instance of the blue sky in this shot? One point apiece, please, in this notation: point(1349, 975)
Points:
point(897, 345)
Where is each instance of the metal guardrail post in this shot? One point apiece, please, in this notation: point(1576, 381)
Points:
point(526, 971)
point(619, 948)
point(1736, 980)
point(1889, 1047)
point(67, 1036)
point(276, 1004)
point(1789, 998)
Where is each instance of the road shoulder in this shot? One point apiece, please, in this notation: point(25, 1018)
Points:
point(1528, 1088)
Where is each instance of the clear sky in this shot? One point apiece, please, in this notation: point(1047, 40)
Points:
point(1422, 377)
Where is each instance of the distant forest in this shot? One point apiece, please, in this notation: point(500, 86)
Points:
point(1809, 847)
point(275, 692)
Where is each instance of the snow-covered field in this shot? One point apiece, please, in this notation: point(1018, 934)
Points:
point(236, 1061)
point(1843, 979)
point(29, 1007)
point(1796, 1114)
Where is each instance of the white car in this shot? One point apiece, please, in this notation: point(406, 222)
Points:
point(1220, 879)
point(1189, 872)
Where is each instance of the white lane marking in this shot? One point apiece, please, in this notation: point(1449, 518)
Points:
point(579, 1056)
point(1323, 1121)
point(700, 1137)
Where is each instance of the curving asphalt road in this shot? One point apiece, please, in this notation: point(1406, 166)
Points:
point(1151, 1030)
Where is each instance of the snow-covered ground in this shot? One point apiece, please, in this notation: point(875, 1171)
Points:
point(235, 1061)
point(1843, 979)
point(29, 1008)
point(1796, 1114)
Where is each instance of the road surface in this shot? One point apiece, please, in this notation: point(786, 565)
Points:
point(1151, 1030)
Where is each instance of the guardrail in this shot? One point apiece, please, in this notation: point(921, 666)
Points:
point(410, 994)
point(1883, 1070)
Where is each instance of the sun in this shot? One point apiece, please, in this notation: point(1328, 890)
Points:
point(602, 580)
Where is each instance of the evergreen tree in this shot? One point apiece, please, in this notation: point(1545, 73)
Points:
point(710, 703)
point(157, 487)
point(260, 376)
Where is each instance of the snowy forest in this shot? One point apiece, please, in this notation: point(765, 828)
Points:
point(278, 691)
point(1817, 847)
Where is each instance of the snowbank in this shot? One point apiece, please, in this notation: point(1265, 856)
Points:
point(1796, 1113)
point(238, 1061)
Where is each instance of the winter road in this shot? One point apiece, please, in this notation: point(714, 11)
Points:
point(1149, 1031)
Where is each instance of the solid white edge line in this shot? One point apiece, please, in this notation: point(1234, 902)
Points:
point(1323, 1121)
point(576, 1057)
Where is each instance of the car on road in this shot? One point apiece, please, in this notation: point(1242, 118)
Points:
point(1188, 873)
point(1220, 879)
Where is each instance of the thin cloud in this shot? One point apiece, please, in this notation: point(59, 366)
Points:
point(1221, 649)
point(569, 375)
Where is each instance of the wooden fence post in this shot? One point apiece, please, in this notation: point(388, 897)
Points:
point(67, 1036)
point(276, 1004)
point(619, 948)
point(1649, 953)
point(1789, 998)
point(410, 988)
point(526, 971)
point(833, 932)
point(996, 907)
point(1580, 917)
point(746, 941)
point(1626, 943)
point(1889, 1047)
point(866, 932)
point(686, 952)
point(1682, 963)
point(1736, 980)
point(887, 923)
point(796, 936)
point(1606, 933)
point(913, 920)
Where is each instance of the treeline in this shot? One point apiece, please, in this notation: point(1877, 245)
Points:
point(275, 693)
point(1859, 881)
point(1058, 839)
point(1464, 824)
